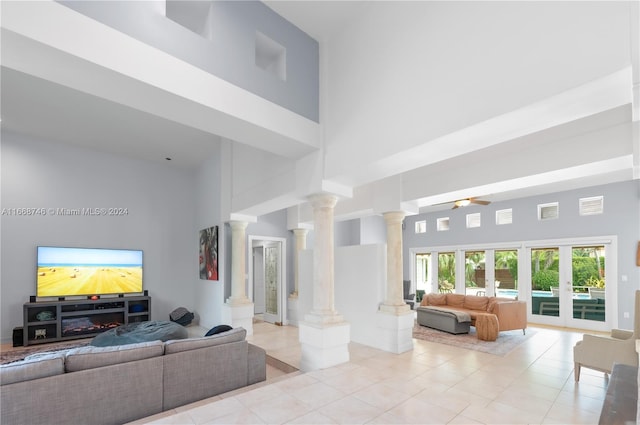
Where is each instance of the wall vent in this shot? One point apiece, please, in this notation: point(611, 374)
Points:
point(548, 211)
point(591, 206)
point(473, 220)
point(504, 216)
point(421, 226)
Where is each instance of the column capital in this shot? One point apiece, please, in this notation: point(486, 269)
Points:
point(238, 225)
point(394, 216)
point(300, 232)
point(322, 200)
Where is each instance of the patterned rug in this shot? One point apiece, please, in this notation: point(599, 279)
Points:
point(19, 353)
point(507, 340)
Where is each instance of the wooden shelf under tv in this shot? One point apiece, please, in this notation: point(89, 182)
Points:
point(59, 316)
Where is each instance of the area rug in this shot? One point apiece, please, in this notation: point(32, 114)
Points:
point(507, 340)
point(19, 353)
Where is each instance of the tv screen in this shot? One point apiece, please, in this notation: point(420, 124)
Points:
point(88, 271)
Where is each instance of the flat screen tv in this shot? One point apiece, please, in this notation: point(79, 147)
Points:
point(64, 272)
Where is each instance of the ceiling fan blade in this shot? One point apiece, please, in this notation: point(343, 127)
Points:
point(480, 202)
point(454, 206)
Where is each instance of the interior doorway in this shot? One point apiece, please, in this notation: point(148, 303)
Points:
point(267, 278)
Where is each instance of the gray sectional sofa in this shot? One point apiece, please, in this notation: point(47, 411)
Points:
point(115, 385)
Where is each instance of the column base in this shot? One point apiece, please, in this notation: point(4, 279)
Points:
point(323, 346)
point(239, 315)
point(395, 308)
point(292, 310)
point(395, 331)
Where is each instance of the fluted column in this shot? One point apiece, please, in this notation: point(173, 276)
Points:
point(301, 244)
point(323, 310)
point(394, 301)
point(238, 263)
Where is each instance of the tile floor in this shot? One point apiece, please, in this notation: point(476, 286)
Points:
point(433, 384)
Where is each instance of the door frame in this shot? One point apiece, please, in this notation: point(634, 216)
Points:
point(282, 281)
point(565, 246)
point(524, 273)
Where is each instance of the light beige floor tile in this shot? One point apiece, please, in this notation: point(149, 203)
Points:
point(498, 413)
point(318, 395)
point(242, 417)
point(414, 411)
point(350, 410)
point(572, 400)
point(208, 412)
point(313, 418)
point(462, 420)
point(280, 409)
point(182, 418)
point(350, 381)
point(562, 414)
point(259, 395)
point(381, 396)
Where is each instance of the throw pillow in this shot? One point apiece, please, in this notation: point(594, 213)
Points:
point(218, 329)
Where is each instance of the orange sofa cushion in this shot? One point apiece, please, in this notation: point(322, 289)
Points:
point(455, 300)
point(436, 299)
point(476, 303)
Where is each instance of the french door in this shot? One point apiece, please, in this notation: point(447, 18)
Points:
point(572, 284)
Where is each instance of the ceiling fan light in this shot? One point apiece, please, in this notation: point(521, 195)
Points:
point(463, 202)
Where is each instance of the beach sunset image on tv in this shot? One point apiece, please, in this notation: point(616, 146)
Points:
point(88, 271)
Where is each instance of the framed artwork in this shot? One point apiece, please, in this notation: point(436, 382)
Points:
point(209, 253)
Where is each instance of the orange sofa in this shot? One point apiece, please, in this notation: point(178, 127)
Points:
point(511, 314)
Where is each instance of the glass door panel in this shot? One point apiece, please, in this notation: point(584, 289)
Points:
point(272, 278)
point(423, 275)
point(588, 283)
point(506, 273)
point(545, 282)
point(446, 272)
point(474, 275)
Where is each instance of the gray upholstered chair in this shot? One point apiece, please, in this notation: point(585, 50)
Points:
point(601, 352)
point(408, 298)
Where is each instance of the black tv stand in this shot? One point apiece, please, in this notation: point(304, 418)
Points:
point(52, 321)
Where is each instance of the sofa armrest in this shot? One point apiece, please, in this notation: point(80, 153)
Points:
point(511, 315)
point(621, 334)
point(256, 365)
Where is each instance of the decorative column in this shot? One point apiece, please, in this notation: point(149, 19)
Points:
point(293, 304)
point(324, 335)
point(395, 318)
point(239, 309)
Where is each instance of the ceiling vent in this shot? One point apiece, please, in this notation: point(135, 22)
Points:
point(591, 206)
point(548, 211)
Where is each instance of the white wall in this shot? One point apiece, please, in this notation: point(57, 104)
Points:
point(208, 207)
point(360, 282)
point(160, 219)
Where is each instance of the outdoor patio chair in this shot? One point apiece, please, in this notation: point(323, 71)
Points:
point(601, 352)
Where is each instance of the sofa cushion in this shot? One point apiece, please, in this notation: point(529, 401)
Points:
point(436, 299)
point(132, 333)
point(455, 300)
point(476, 303)
point(40, 366)
point(91, 357)
point(176, 346)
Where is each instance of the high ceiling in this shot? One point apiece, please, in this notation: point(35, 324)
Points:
point(44, 109)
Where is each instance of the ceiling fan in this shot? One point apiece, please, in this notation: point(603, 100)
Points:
point(468, 201)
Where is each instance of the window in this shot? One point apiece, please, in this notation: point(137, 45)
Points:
point(421, 226)
point(591, 206)
point(443, 224)
point(473, 220)
point(548, 211)
point(504, 216)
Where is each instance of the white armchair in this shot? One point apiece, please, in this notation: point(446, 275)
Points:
point(601, 352)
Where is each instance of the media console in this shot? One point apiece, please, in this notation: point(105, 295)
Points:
point(51, 321)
